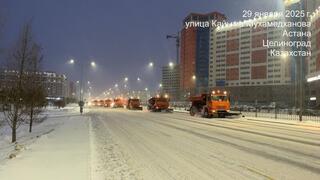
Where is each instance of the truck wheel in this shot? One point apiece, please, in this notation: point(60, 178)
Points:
point(206, 113)
point(193, 111)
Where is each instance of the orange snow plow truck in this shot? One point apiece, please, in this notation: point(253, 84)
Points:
point(108, 103)
point(158, 104)
point(119, 103)
point(134, 104)
point(209, 105)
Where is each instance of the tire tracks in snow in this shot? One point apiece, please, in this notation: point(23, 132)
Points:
point(169, 158)
point(266, 125)
point(112, 162)
point(266, 155)
point(251, 132)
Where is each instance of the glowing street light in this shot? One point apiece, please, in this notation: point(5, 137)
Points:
point(146, 89)
point(138, 79)
point(81, 64)
point(284, 56)
point(151, 64)
point(160, 85)
point(93, 64)
point(194, 77)
point(171, 64)
point(71, 61)
point(116, 85)
point(126, 79)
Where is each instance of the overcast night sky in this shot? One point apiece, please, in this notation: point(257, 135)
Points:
point(122, 36)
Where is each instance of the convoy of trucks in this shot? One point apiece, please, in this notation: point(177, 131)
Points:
point(213, 104)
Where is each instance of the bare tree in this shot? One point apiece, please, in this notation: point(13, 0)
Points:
point(15, 92)
point(35, 96)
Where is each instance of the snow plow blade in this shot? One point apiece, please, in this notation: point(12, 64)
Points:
point(169, 110)
point(233, 114)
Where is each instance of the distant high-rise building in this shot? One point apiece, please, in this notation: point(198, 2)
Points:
point(171, 81)
point(194, 52)
point(54, 84)
point(314, 62)
point(299, 63)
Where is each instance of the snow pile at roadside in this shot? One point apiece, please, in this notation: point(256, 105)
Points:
point(47, 123)
point(62, 154)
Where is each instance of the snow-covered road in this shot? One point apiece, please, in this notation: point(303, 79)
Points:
point(144, 145)
point(122, 144)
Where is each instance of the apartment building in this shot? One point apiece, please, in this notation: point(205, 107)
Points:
point(241, 63)
point(194, 52)
point(54, 84)
point(171, 81)
point(313, 77)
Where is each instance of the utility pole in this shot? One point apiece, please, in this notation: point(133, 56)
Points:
point(81, 101)
point(301, 70)
point(81, 81)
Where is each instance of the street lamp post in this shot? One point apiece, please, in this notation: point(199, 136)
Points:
point(162, 87)
point(92, 64)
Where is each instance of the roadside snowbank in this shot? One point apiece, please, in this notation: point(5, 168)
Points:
point(47, 124)
point(57, 149)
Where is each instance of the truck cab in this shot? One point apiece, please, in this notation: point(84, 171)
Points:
point(134, 104)
point(218, 102)
point(159, 103)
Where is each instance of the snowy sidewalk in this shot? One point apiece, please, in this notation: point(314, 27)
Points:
point(61, 154)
